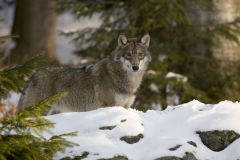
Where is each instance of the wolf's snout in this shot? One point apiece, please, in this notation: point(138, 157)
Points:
point(135, 68)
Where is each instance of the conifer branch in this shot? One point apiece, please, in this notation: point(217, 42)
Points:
point(5, 38)
point(12, 78)
point(18, 142)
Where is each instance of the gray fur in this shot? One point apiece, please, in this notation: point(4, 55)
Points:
point(112, 81)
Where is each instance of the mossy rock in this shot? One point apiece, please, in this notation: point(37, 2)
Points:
point(218, 140)
point(132, 139)
point(188, 156)
point(175, 148)
point(107, 127)
point(192, 143)
point(169, 158)
point(84, 155)
point(116, 158)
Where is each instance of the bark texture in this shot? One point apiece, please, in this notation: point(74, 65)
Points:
point(35, 22)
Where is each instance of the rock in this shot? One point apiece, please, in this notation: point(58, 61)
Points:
point(175, 148)
point(123, 120)
point(84, 155)
point(188, 156)
point(132, 139)
point(192, 143)
point(169, 158)
point(107, 127)
point(118, 158)
point(218, 140)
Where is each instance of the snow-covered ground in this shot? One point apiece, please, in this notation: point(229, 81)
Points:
point(100, 131)
point(162, 130)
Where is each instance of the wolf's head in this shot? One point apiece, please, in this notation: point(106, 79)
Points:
point(133, 53)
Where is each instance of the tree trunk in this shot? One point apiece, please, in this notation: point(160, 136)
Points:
point(223, 11)
point(35, 22)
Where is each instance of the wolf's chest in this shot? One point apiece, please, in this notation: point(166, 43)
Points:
point(123, 99)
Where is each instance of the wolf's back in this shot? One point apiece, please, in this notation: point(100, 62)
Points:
point(79, 83)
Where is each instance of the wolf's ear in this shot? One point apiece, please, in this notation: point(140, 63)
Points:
point(145, 40)
point(122, 39)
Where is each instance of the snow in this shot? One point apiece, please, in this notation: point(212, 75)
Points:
point(178, 76)
point(153, 87)
point(161, 129)
point(173, 97)
point(13, 99)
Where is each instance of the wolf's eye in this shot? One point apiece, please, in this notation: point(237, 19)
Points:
point(128, 55)
point(140, 55)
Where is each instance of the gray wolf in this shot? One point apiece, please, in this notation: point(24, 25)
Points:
point(112, 81)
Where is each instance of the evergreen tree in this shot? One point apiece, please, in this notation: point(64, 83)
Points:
point(17, 140)
point(177, 45)
point(21, 135)
point(12, 78)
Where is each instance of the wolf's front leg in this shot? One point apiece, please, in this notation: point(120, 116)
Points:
point(129, 101)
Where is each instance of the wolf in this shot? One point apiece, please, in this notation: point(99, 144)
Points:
point(112, 81)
